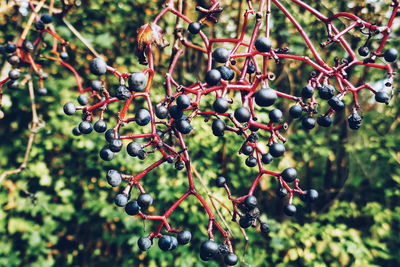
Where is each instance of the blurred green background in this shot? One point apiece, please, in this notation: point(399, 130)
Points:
point(72, 221)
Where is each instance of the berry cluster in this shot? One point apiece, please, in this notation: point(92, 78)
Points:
point(233, 65)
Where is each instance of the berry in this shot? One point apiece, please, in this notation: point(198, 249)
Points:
point(76, 131)
point(165, 243)
point(13, 60)
point(382, 97)
point(276, 150)
point(265, 97)
point(46, 18)
point(85, 127)
point(253, 138)
point(179, 165)
point(223, 249)
point(242, 114)
point(194, 27)
point(83, 100)
point(251, 68)
point(133, 149)
point(227, 74)
point(114, 178)
point(336, 103)
point(295, 111)
point(144, 200)
point(218, 127)
point(142, 117)
point(174, 243)
point(115, 145)
point(39, 25)
point(144, 243)
point(251, 161)
point(132, 208)
point(106, 154)
point(220, 105)
point(100, 126)
point(69, 108)
point(363, 51)
point(264, 228)
point(12, 84)
point(121, 200)
point(324, 121)
point(184, 237)
point(354, 121)
point(221, 55)
point(98, 66)
point(267, 158)
point(307, 91)
point(289, 209)
point(245, 221)
point(183, 126)
point(161, 112)
point(275, 115)
point(310, 196)
point(209, 249)
point(123, 93)
point(64, 55)
point(183, 101)
point(289, 175)
point(263, 44)
point(326, 91)
point(109, 135)
point(390, 55)
point(247, 150)
point(308, 123)
point(28, 46)
point(250, 202)
point(282, 192)
point(137, 81)
point(10, 48)
point(175, 112)
point(14, 74)
point(213, 77)
point(142, 154)
point(97, 85)
point(231, 259)
point(42, 91)
point(220, 181)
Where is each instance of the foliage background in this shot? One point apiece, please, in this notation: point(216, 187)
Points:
point(73, 221)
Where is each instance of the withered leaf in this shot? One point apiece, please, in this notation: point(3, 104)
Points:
point(148, 34)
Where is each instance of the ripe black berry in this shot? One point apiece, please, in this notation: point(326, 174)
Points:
point(263, 44)
point(69, 108)
point(165, 242)
point(137, 81)
point(390, 55)
point(363, 51)
point(336, 103)
point(213, 77)
point(14, 74)
point(251, 68)
point(265, 97)
point(175, 112)
point(227, 74)
point(183, 101)
point(354, 121)
point(277, 150)
point(267, 158)
point(76, 131)
point(106, 154)
point(183, 126)
point(209, 249)
point(245, 221)
point(242, 114)
point(326, 91)
point(308, 123)
point(12, 84)
point(10, 48)
point(133, 149)
point(295, 111)
point(220, 105)
point(46, 18)
point(275, 115)
point(132, 208)
point(382, 97)
point(13, 60)
point(289, 175)
point(85, 127)
point(220, 181)
point(184, 237)
point(39, 25)
point(289, 209)
point(97, 86)
point(144, 200)
point(324, 121)
point(282, 192)
point(251, 161)
point(109, 135)
point(247, 150)
point(307, 91)
point(218, 127)
point(221, 55)
point(115, 145)
point(64, 55)
point(114, 178)
point(161, 112)
point(42, 91)
point(144, 243)
point(121, 200)
point(250, 202)
point(231, 259)
point(264, 228)
point(194, 27)
point(310, 196)
point(123, 93)
point(98, 66)
point(142, 117)
point(100, 126)
point(83, 100)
